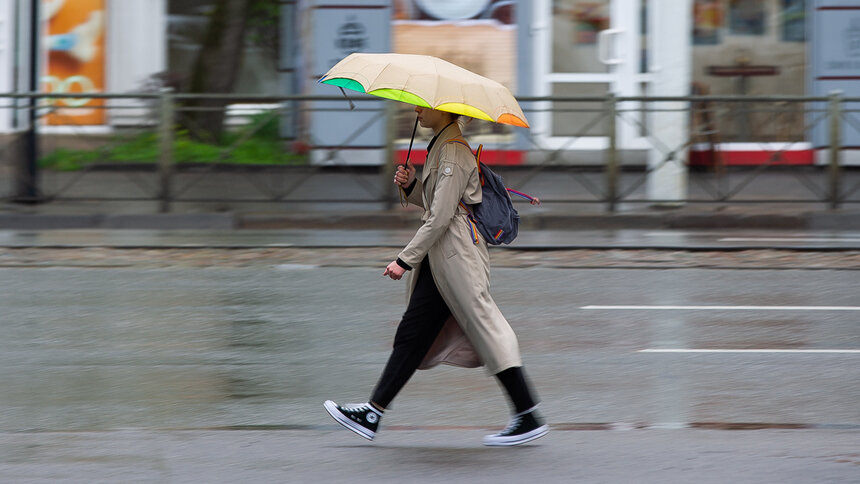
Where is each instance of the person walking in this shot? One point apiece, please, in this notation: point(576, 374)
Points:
point(451, 316)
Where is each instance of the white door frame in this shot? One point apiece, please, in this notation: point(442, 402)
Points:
point(618, 47)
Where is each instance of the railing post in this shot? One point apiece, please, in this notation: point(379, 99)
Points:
point(386, 187)
point(165, 136)
point(27, 165)
point(834, 110)
point(612, 155)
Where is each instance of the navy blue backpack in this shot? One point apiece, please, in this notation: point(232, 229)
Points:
point(495, 217)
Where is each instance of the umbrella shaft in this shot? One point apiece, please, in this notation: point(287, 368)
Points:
point(412, 140)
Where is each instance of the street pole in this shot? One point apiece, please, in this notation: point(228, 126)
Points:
point(27, 186)
point(387, 193)
point(835, 113)
point(612, 155)
point(289, 40)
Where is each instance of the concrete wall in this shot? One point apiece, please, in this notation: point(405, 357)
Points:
point(10, 23)
point(136, 50)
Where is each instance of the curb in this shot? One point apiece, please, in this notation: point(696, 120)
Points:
point(654, 221)
point(838, 221)
point(195, 221)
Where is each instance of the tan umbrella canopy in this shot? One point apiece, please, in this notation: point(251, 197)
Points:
point(427, 81)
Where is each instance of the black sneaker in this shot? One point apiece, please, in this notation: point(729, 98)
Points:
point(523, 428)
point(361, 418)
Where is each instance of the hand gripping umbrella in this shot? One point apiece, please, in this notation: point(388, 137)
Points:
point(428, 82)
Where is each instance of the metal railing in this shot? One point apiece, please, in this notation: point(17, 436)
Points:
point(157, 150)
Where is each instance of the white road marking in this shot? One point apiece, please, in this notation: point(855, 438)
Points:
point(789, 239)
point(296, 267)
point(726, 308)
point(762, 350)
point(844, 237)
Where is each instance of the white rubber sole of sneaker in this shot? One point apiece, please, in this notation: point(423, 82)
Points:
point(332, 410)
point(494, 441)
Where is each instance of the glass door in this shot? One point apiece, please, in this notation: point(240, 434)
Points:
point(588, 48)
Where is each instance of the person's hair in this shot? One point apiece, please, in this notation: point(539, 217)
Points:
point(462, 121)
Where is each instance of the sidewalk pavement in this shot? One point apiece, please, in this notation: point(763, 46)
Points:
point(340, 240)
point(230, 200)
point(104, 216)
point(733, 229)
point(800, 218)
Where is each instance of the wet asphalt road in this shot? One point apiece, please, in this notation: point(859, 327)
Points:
point(179, 374)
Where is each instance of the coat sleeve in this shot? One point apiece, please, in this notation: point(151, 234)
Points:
point(449, 188)
point(416, 196)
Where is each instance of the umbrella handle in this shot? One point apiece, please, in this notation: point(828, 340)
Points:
point(403, 201)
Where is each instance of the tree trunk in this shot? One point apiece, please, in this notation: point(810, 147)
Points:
point(217, 68)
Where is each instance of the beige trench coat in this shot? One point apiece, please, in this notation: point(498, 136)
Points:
point(477, 333)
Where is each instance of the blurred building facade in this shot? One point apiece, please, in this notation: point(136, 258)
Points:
point(90, 46)
point(535, 47)
point(596, 47)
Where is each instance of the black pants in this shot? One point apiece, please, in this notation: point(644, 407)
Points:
point(421, 323)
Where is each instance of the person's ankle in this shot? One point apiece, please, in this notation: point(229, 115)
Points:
point(376, 406)
point(532, 409)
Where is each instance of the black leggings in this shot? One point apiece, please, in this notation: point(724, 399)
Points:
point(421, 323)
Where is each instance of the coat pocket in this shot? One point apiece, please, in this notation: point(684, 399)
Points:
point(448, 242)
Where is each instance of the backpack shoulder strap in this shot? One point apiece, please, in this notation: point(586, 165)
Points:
point(477, 155)
point(459, 140)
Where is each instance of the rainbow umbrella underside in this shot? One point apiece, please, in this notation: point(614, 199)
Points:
point(410, 98)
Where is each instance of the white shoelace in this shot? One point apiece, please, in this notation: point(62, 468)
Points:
point(361, 407)
point(356, 406)
point(512, 425)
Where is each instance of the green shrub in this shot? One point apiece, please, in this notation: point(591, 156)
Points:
point(69, 160)
point(262, 147)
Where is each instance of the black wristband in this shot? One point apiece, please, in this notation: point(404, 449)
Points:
point(403, 264)
point(408, 190)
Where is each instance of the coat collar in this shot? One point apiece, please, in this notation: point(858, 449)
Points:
point(433, 149)
point(433, 141)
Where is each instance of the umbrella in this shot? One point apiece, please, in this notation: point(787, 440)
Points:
point(429, 82)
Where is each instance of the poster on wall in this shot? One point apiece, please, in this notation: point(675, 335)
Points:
point(74, 43)
point(746, 17)
point(794, 20)
point(707, 22)
point(479, 35)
